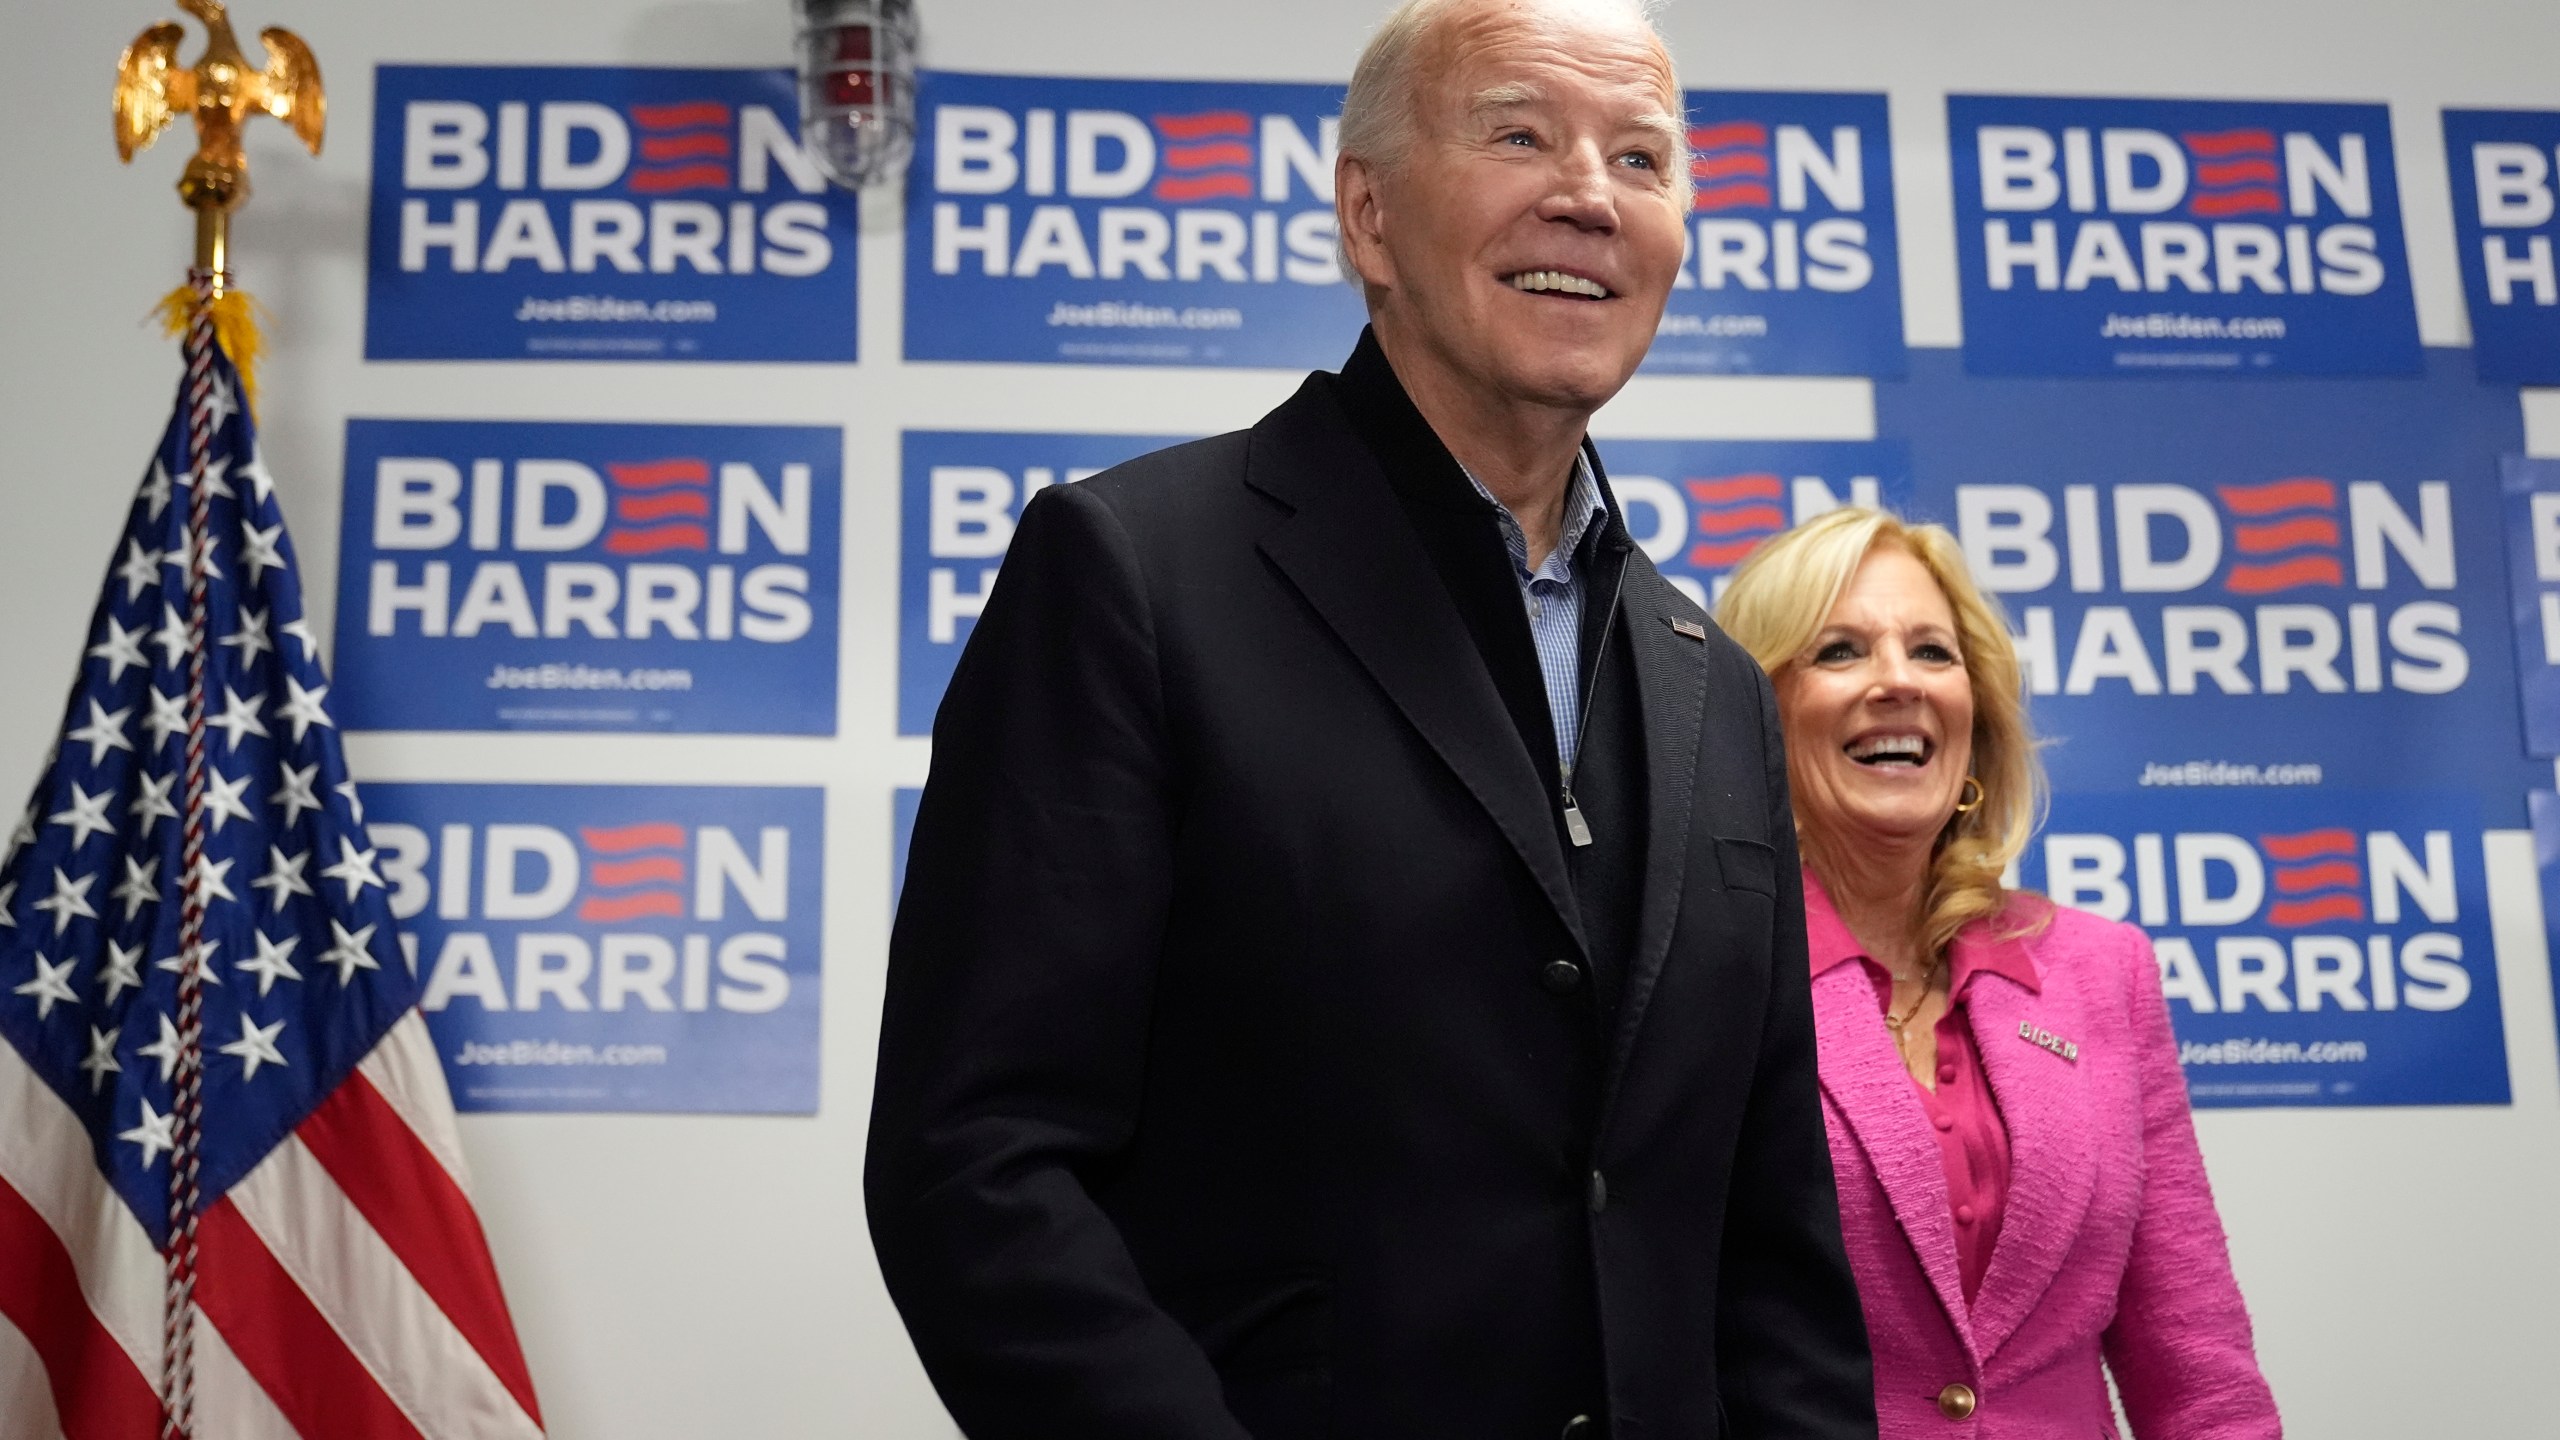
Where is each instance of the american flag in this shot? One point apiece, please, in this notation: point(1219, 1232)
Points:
point(229, 1172)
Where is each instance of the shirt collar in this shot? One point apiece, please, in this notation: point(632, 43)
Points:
point(1982, 947)
point(1583, 504)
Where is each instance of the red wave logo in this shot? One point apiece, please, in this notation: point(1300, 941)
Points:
point(646, 880)
point(1207, 156)
point(2235, 173)
point(1729, 166)
point(1732, 514)
point(683, 146)
point(2288, 531)
point(658, 506)
point(2320, 874)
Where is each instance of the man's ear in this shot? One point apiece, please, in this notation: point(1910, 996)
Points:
point(1358, 211)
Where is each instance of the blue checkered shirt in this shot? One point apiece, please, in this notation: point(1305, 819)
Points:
point(1552, 594)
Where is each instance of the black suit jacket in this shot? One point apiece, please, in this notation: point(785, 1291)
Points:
point(1219, 1091)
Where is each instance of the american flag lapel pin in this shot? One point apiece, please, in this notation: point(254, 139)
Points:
point(1690, 628)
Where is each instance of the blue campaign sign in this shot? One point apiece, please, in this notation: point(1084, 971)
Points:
point(613, 947)
point(2545, 808)
point(2179, 237)
point(1142, 222)
point(2225, 583)
point(2505, 222)
point(2533, 581)
point(1792, 266)
point(601, 213)
point(960, 493)
point(1698, 508)
point(2318, 947)
point(538, 576)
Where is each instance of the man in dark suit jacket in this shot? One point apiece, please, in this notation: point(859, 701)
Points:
point(1350, 979)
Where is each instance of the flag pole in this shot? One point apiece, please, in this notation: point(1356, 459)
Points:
point(220, 92)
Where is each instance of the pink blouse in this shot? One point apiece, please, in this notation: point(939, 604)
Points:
point(1973, 1143)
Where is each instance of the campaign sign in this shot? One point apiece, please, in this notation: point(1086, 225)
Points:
point(1141, 222)
point(612, 947)
point(2533, 580)
point(540, 576)
point(601, 213)
point(1698, 508)
point(2224, 583)
point(2179, 237)
point(1792, 267)
point(2506, 219)
point(961, 492)
point(2324, 947)
point(902, 823)
point(2545, 808)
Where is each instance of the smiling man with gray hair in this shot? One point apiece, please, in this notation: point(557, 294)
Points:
point(1351, 977)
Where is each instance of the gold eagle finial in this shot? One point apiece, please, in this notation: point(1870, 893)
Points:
point(222, 92)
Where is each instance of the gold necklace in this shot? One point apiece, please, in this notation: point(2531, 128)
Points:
point(1895, 1023)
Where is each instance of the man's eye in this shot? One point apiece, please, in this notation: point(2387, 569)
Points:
point(1640, 159)
point(1519, 137)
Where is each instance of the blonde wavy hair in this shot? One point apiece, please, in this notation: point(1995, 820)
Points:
point(1776, 604)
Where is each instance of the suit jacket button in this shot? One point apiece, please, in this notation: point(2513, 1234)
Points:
point(1560, 977)
point(1598, 1195)
point(1581, 1428)
point(1956, 1401)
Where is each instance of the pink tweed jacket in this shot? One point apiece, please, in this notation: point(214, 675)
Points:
point(2110, 1246)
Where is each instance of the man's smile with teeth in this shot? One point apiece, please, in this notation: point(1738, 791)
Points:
point(1560, 282)
point(1890, 750)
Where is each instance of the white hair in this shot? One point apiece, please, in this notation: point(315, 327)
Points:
point(1379, 119)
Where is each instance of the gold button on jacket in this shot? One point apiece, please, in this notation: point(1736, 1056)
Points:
point(1956, 1401)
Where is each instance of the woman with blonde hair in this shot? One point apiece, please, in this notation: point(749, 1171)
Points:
point(2020, 1186)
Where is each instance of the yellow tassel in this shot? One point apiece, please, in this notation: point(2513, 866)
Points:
point(235, 327)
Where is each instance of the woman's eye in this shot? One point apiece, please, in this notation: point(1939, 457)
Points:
point(1835, 652)
point(1934, 653)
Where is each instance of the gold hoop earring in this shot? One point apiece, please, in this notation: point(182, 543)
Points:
point(1964, 806)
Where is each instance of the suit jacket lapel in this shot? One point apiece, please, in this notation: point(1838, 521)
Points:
point(1865, 1078)
point(1671, 688)
point(2050, 1180)
point(1351, 551)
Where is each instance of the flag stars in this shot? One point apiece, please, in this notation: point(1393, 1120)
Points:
point(355, 805)
point(258, 549)
point(168, 717)
point(355, 867)
point(301, 630)
point(139, 887)
point(255, 472)
point(210, 880)
point(52, 985)
point(156, 491)
point(122, 650)
point(87, 815)
point(273, 962)
point(151, 802)
point(139, 569)
point(103, 732)
point(251, 637)
point(224, 404)
point(239, 716)
point(349, 952)
point(298, 792)
point(198, 960)
point(302, 707)
point(284, 875)
point(255, 1047)
point(102, 1060)
point(171, 637)
point(156, 1132)
point(9, 905)
point(122, 970)
point(69, 901)
point(164, 1049)
point(222, 799)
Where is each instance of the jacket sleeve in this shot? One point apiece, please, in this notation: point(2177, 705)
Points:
point(1791, 1342)
point(2180, 1345)
point(1013, 1031)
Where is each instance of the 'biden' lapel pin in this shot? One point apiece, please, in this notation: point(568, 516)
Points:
point(2044, 1039)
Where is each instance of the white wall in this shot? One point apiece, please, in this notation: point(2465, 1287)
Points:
point(710, 1276)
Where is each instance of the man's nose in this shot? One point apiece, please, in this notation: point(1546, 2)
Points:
point(1579, 192)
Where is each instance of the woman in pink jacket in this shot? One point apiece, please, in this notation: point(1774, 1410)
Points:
point(2020, 1186)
